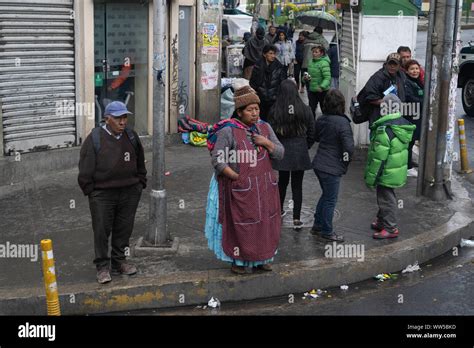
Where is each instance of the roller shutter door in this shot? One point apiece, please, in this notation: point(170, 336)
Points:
point(37, 77)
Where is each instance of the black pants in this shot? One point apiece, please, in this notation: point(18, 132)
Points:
point(113, 212)
point(316, 98)
point(297, 71)
point(388, 206)
point(296, 189)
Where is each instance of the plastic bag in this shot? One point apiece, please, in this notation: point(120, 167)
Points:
point(198, 139)
point(227, 104)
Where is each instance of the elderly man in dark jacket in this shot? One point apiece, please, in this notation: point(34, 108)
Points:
point(112, 173)
point(266, 78)
point(389, 79)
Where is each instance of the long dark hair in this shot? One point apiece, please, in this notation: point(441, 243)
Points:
point(287, 115)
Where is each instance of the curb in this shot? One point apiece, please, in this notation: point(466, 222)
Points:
point(198, 287)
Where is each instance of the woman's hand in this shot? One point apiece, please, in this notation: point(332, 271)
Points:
point(260, 140)
point(231, 174)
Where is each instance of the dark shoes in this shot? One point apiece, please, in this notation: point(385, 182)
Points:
point(237, 269)
point(103, 276)
point(317, 231)
point(333, 237)
point(241, 269)
point(297, 224)
point(267, 267)
point(124, 268)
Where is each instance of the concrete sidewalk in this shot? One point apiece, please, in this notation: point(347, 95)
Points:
point(54, 207)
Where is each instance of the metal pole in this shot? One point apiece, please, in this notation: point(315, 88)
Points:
point(436, 185)
point(157, 234)
point(426, 99)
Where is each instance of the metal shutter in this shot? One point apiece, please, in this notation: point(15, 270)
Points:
point(37, 74)
point(346, 39)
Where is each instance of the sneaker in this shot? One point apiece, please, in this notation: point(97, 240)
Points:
point(103, 276)
point(376, 225)
point(384, 234)
point(237, 269)
point(124, 268)
point(412, 172)
point(333, 237)
point(297, 225)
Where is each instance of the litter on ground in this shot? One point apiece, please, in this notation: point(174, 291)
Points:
point(214, 303)
point(412, 268)
point(385, 276)
point(467, 243)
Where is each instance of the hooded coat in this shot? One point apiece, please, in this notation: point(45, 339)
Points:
point(254, 47)
point(320, 71)
point(387, 162)
point(314, 39)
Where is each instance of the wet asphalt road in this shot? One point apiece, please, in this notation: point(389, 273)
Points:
point(442, 287)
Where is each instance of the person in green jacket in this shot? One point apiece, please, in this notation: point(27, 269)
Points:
point(387, 163)
point(319, 77)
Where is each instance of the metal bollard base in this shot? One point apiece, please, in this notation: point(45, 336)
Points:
point(145, 249)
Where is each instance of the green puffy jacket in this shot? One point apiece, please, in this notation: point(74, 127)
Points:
point(387, 162)
point(320, 72)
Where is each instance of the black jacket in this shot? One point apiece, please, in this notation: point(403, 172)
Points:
point(296, 148)
point(336, 144)
point(299, 52)
point(377, 85)
point(335, 67)
point(266, 79)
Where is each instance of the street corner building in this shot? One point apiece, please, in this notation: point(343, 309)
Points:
point(63, 61)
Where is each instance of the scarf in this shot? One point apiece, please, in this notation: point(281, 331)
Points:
point(232, 122)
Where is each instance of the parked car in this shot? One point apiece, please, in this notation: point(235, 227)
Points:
point(466, 78)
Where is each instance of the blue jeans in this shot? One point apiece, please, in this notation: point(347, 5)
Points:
point(327, 203)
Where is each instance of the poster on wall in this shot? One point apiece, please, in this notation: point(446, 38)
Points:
point(210, 74)
point(210, 39)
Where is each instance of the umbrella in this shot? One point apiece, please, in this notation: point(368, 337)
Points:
point(319, 19)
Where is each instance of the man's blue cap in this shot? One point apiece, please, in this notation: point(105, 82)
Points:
point(116, 109)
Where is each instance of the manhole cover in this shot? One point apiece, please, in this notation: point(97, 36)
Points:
point(307, 217)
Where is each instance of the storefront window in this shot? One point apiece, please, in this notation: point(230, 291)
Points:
point(121, 58)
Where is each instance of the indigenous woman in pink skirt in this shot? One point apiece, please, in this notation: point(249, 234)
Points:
point(243, 206)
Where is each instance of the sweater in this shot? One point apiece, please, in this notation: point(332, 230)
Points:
point(116, 165)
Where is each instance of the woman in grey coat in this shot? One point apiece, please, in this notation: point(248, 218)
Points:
point(293, 123)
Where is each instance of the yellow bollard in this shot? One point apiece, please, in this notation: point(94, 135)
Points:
point(463, 148)
point(49, 273)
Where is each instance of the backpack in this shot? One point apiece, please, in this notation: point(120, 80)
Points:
point(360, 108)
point(96, 139)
